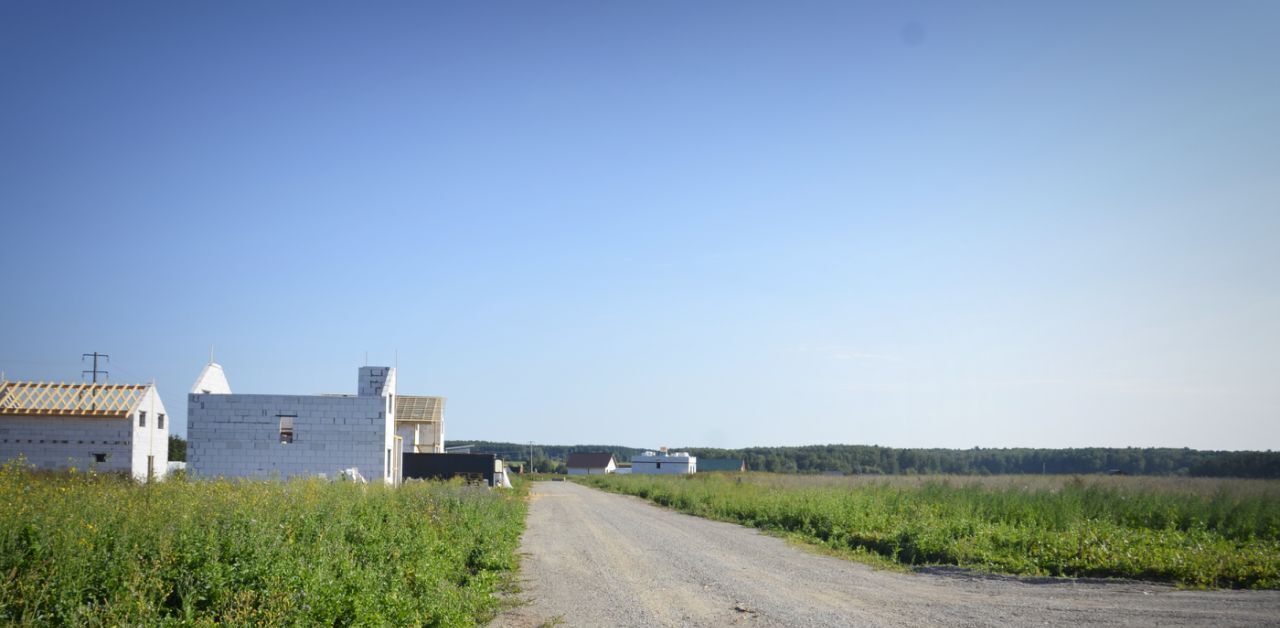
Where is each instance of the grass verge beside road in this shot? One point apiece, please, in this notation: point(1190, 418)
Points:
point(1205, 533)
point(81, 548)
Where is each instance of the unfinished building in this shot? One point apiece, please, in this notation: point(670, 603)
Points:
point(239, 435)
point(105, 427)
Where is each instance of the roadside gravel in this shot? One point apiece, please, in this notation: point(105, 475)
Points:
point(598, 559)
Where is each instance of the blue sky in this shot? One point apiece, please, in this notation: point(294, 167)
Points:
point(945, 224)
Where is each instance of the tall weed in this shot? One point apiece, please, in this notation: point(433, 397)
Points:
point(81, 548)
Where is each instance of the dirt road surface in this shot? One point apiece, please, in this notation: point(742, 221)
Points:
point(597, 559)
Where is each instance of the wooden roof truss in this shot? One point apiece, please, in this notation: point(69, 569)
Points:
point(62, 399)
point(416, 409)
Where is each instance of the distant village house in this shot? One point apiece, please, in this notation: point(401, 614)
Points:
point(590, 463)
point(664, 463)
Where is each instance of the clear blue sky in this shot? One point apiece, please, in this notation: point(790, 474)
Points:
point(943, 224)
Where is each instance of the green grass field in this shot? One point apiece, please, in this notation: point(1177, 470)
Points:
point(1193, 532)
point(83, 549)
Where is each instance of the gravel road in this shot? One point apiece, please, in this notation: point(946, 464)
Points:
point(596, 559)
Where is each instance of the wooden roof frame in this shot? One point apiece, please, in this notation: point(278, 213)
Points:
point(108, 401)
point(419, 409)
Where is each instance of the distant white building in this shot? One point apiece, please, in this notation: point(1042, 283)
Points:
point(107, 427)
point(590, 463)
point(664, 462)
point(237, 435)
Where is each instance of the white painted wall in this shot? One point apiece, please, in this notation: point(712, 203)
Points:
point(393, 451)
point(212, 381)
point(151, 440)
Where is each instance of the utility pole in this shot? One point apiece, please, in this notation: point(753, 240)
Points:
point(93, 404)
point(531, 469)
point(95, 355)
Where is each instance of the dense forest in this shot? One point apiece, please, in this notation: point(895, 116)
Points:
point(978, 461)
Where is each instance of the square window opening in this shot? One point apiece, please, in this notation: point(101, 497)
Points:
point(286, 428)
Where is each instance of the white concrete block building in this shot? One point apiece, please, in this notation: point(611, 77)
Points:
point(106, 427)
point(664, 462)
point(239, 435)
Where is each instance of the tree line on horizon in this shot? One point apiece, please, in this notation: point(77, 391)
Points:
point(873, 459)
point(876, 460)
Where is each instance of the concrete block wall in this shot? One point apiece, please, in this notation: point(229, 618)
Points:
point(239, 435)
point(380, 382)
point(62, 442)
point(373, 379)
point(407, 433)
